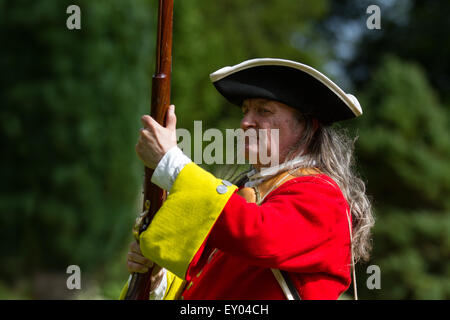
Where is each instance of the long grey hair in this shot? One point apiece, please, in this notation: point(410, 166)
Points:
point(331, 150)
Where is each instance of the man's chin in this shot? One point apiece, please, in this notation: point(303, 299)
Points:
point(251, 156)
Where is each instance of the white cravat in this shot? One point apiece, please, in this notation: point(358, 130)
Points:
point(256, 177)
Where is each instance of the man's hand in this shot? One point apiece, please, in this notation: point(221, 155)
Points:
point(136, 262)
point(155, 140)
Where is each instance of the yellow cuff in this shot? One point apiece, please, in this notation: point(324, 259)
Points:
point(175, 287)
point(124, 291)
point(184, 220)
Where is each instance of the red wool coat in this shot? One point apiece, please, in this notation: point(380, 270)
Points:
point(301, 227)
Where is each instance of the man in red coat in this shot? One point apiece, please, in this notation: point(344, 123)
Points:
point(284, 231)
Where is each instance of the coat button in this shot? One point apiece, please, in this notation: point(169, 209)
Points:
point(227, 183)
point(221, 189)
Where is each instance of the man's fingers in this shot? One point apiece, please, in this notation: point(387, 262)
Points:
point(149, 123)
point(134, 257)
point(134, 246)
point(171, 119)
point(136, 267)
point(145, 134)
point(157, 271)
point(136, 262)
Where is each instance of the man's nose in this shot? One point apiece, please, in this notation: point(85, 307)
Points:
point(248, 121)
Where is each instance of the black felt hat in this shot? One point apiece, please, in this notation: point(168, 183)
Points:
point(292, 83)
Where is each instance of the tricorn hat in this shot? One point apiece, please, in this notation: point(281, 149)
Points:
point(292, 83)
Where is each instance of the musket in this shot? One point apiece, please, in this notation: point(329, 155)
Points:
point(139, 285)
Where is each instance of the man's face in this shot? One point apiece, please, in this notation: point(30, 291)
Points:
point(269, 114)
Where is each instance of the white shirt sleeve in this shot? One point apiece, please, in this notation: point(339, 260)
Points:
point(158, 293)
point(169, 167)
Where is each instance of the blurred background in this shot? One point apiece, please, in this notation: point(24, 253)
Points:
point(71, 101)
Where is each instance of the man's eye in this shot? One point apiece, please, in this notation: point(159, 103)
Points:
point(264, 110)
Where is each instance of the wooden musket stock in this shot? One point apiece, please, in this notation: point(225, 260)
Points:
point(139, 286)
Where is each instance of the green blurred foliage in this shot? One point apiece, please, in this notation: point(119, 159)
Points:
point(413, 30)
point(70, 105)
point(404, 153)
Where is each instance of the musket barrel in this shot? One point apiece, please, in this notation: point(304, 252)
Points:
point(140, 283)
